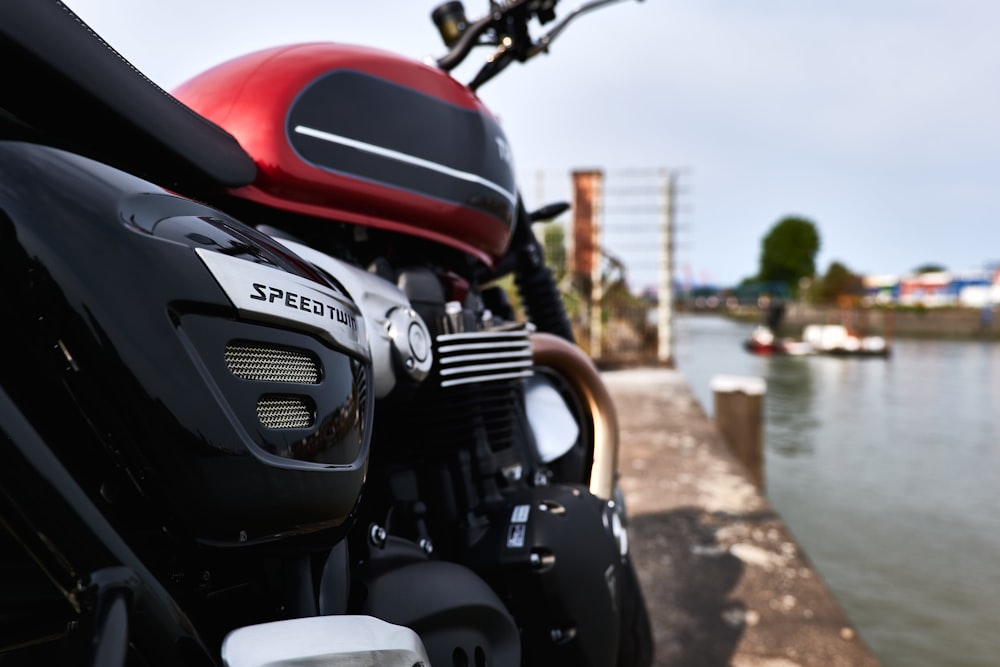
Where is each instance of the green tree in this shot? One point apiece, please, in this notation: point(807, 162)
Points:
point(929, 268)
point(788, 252)
point(553, 239)
point(554, 246)
point(838, 281)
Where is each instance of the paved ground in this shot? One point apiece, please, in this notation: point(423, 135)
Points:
point(725, 582)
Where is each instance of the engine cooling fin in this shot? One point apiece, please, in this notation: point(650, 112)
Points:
point(478, 378)
point(483, 356)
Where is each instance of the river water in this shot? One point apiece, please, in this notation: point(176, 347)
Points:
point(887, 472)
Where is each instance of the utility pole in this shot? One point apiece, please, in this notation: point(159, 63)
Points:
point(539, 189)
point(596, 279)
point(665, 292)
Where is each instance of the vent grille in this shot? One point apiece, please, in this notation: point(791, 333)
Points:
point(284, 412)
point(484, 356)
point(253, 361)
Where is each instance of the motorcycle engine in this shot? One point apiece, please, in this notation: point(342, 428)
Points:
point(463, 473)
point(393, 167)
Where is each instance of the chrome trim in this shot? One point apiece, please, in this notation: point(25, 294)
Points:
point(411, 341)
point(493, 377)
point(480, 368)
point(403, 157)
point(476, 335)
point(484, 356)
point(271, 295)
point(379, 302)
point(324, 640)
point(461, 358)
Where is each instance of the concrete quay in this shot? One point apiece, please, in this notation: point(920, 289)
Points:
point(724, 580)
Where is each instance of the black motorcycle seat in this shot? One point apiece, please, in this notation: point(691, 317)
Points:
point(62, 80)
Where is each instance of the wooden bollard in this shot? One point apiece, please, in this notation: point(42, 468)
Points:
point(739, 417)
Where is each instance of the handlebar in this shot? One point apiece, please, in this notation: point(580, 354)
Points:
point(505, 27)
point(467, 35)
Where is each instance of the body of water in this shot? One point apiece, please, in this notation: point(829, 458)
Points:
point(887, 472)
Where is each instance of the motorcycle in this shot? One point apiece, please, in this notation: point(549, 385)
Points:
point(281, 405)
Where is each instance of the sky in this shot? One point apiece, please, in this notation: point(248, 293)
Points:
point(877, 121)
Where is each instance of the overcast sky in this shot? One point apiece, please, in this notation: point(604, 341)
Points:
point(878, 121)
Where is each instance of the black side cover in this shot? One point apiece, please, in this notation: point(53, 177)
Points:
point(61, 79)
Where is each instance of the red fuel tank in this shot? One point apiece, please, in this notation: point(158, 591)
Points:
point(363, 136)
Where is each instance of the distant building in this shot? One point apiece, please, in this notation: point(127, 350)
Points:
point(975, 288)
point(971, 288)
point(880, 289)
point(931, 290)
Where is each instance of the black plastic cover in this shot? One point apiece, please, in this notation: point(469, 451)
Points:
point(113, 312)
point(550, 551)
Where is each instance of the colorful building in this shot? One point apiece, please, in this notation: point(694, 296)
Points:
point(971, 288)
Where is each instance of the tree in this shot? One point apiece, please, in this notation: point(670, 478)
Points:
point(788, 252)
point(554, 246)
point(929, 268)
point(838, 281)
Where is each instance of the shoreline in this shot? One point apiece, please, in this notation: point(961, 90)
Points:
point(724, 580)
point(928, 323)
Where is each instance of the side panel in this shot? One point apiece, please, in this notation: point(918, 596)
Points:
point(130, 358)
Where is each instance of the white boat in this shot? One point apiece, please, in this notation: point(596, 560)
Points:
point(839, 340)
point(832, 339)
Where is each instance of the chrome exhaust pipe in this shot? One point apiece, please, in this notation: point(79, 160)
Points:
point(585, 380)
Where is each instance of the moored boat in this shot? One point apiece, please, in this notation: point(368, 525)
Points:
point(836, 339)
point(828, 339)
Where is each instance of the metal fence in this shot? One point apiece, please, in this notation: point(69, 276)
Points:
point(613, 257)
